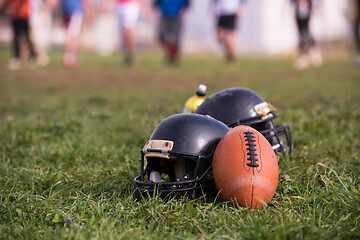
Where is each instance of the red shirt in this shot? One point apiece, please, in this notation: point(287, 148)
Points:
point(20, 9)
point(126, 1)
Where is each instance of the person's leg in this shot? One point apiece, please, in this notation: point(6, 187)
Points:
point(129, 44)
point(74, 23)
point(302, 61)
point(357, 33)
point(230, 46)
point(163, 36)
point(311, 46)
point(16, 40)
point(357, 38)
point(173, 39)
point(38, 22)
point(15, 61)
point(219, 35)
point(129, 14)
point(162, 31)
point(221, 32)
point(226, 34)
point(307, 38)
point(302, 26)
point(28, 39)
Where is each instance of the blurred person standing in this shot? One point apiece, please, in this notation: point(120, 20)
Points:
point(73, 14)
point(309, 53)
point(20, 14)
point(357, 32)
point(128, 15)
point(40, 26)
point(227, 13)
point(170, 26)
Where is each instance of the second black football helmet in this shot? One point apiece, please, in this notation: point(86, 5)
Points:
point(242, 106)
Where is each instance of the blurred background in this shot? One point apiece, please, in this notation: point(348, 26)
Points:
point(267, 28)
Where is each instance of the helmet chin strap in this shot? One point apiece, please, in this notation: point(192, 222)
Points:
point(155, 176)
point(279, 147)
point(179, 169)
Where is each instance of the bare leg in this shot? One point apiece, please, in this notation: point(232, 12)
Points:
point(129, 44)
point(230, 46)
point(226, 39)
point(71, 50)
point(72, 34)
point(220, 36)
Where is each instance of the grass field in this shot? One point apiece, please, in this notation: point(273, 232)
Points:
point(70, 141)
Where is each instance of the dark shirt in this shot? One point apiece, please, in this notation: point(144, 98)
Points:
point(171, 8)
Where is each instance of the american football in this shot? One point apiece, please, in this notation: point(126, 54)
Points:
point(245, 168)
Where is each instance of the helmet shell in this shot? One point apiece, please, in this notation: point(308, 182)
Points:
point(192, 134)
point(232, 106)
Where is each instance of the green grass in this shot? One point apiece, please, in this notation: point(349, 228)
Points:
point(70, 141)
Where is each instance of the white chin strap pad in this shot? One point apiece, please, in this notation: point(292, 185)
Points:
point(155, 176)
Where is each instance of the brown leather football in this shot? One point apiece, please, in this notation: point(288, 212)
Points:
point(245, 168)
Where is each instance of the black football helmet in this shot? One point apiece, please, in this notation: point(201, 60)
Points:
point(179, 155)
point(242, 106)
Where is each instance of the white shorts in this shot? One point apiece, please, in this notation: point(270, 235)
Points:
point(128, 14)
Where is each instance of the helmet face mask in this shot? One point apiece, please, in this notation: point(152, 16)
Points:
point(276, 135)
point(241, 106)
point(178, 155)
point(173, 175)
